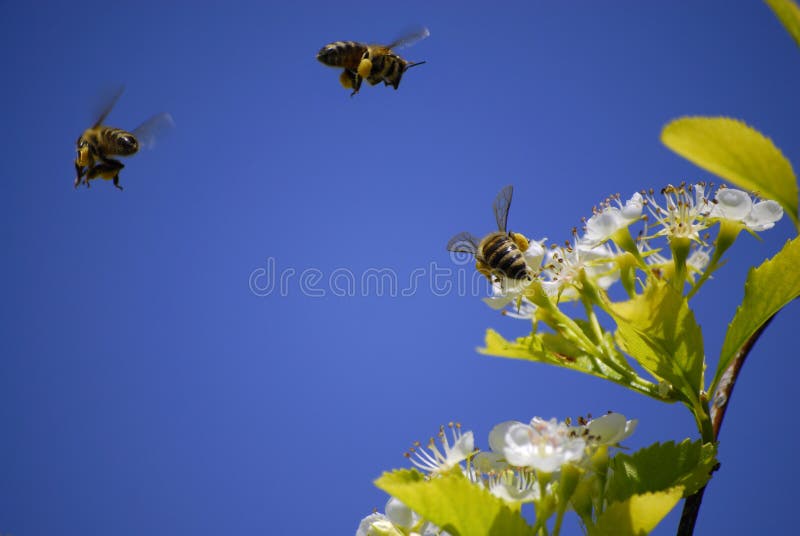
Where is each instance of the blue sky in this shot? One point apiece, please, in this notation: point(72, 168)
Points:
point(146, 389)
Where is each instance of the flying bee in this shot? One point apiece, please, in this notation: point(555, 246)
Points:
point(99, 142)
point(373, 63)
point(499, 255)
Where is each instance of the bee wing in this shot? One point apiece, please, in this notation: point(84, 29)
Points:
point(501, 205)
point(150, 130)
point(408, 39)
point(107, 102)
point(463, 243)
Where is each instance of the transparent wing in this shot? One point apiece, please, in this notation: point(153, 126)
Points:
point(153, 128)
point(463, 243)
point(409, 38)
point(501, 205)
point(106, 103)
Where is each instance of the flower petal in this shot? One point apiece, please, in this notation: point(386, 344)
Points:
point(763, 215)
point(733, 204)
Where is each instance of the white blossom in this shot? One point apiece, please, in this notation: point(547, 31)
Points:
point(491, 471)
point(763, 215)
point(534, 255)
point(698, 259)
point(610, 429)
point(377, 524)
point(400, 514)
point(736, 205)
point(514, 486)
point(399, 520)
point(606, 222)
point(489, 462)
point(565, 264)
point(683, 213)
point(511, 302)
point(541, 445)
point(731, 204)
point(437, 461)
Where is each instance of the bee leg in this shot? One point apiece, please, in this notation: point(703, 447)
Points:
point(116, 166)
point(356, 83)
point(108, 169)
point(92, 173)
point(484, 269)
point(79, 172)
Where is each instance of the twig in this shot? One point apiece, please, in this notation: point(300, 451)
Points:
point(722, 397)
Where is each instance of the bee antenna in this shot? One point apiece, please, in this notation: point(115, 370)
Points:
point(410, 65)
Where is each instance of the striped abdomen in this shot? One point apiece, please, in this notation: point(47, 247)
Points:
point(115, 141)
point(345, 54)
point(387, 68)
point(500, 253)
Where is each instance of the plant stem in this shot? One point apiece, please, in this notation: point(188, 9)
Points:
point(559, 520)
point(721, 400)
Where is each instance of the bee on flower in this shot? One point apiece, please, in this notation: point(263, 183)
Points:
point(679, 222)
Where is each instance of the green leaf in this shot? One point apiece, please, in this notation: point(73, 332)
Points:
point(767, 290)
point(637, 515)
point(555, 349)
point(658, 330)
point(789, 14)
point(738, 153)
point(550, 349)
point(454, 504)
point(660, 467)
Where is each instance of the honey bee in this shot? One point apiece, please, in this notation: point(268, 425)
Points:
point(99, 142)
point(373, 63)
point(500, 255)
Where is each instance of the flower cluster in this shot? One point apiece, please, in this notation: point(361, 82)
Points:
point(678, 221)
point(525, 464)
point(399, 520)
point(523, 456)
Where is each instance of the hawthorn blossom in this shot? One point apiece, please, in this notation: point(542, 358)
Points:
point(610, 429)
point(541, 445)
point(511, 302)
point(698, 259)
point(561, 274)
point(514, 486)
point(399, 520)
point(608, 251)
point(435, 461)
point(488, 462)
point(731, 204)
point(400, 514)
point(604, 224)
point(736, 205)
point(763, 215)
point(489, 470)
point(534, 255)
point(377, 524)
point(683, 214)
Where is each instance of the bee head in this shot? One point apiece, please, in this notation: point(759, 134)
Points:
point(82, 149)
point(327, 55)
